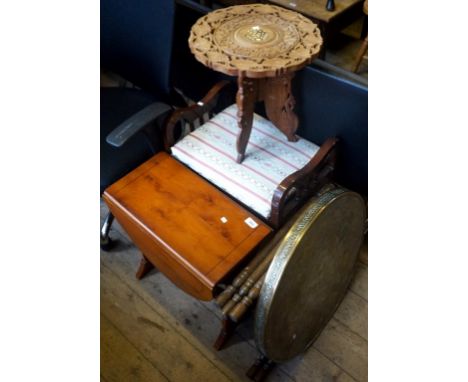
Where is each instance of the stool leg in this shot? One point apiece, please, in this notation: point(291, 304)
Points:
point(360, 55)
point(144, 268)
point(279, 104)
point(245, 99)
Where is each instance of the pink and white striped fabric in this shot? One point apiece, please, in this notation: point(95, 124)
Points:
point(211, 151)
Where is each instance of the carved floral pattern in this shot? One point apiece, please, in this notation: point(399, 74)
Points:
point(259, 40)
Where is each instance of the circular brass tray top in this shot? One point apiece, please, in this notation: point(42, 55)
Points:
point(258, 40)
point(309, 274)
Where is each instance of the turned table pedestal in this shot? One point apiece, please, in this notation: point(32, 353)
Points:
point(263, 45)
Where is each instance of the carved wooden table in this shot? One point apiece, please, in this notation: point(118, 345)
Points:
point(263, 45)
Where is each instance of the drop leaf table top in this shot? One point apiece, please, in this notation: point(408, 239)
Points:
point(184, 226)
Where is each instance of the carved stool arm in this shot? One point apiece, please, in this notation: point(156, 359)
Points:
point(192, 114)
point(302, 183)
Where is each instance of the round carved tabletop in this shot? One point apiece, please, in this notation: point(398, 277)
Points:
point(309, 275)
point(256, 40)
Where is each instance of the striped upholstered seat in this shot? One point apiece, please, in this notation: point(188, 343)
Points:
point(211, 151)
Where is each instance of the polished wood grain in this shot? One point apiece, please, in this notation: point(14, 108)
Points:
point(175, 218)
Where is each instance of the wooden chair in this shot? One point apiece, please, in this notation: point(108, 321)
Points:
point(277, 176)
point(363, 49)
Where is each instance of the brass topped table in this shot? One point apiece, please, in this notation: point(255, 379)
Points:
point(263, 45)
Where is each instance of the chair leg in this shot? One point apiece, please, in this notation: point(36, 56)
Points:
point(360, 55)
point(106, 241)
point(144, 268)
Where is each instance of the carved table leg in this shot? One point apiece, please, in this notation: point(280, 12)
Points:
point(144, 268)
point(226, 332)
point(246, 98)
point(279, 104)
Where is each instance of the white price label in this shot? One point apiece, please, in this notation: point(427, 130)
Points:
point(251, 223)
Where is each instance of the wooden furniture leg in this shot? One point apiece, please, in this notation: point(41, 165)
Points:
point(260, 369)
point(226, 332)
point(245, 99)
point(144, 268)
point(360, 55)
point(255, 367)
point(279, 104)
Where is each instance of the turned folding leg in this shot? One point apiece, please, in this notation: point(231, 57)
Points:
point(144, 268)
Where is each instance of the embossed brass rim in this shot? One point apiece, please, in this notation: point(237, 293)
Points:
point(284, 253)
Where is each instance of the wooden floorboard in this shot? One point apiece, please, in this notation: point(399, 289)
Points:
point(359, 283)
point(162, 341)
point(194, 316)
point(120, 360)
point(345, 348)
point(352, 313)
point(139, 309)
